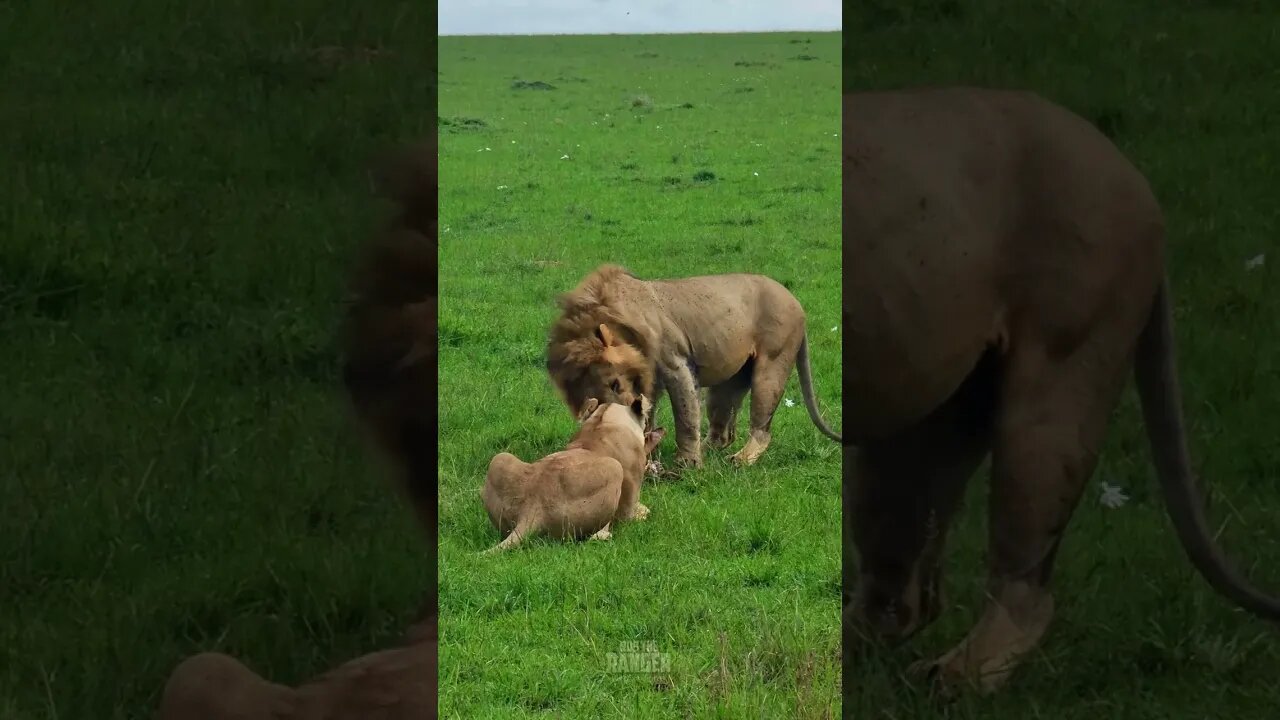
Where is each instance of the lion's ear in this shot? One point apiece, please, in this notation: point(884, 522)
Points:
point(588, 407)
point(606, 335)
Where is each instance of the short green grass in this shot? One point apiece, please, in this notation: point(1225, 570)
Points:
point(1189, 91)
point(673, 156)
point(182, 187)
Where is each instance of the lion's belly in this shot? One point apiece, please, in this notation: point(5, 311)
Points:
point(719, 342)
point(920, 309)
point(711, 323)
point(714, 366)
point(972, 220)
point(924, 225)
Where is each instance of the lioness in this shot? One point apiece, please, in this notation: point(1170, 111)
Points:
point(1003, 273)
point(619, 336)
point(394, 684)
point(579, 491)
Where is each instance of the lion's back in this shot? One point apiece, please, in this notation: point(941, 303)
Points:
point(725, 317)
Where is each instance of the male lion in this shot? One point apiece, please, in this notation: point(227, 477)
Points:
point(580, 491)
point(1004, 271)
point(389, 371)
point(619, 336)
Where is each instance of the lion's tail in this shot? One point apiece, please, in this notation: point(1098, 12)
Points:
point(806, 389)
point(389, 334)
point(1157, 380)
point(524, 526)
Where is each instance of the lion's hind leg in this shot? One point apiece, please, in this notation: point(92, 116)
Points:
point(1050, 426)
point(906, 489)
point(525, 526)
point(723, 403)
point(503, 493)
point(769, 373)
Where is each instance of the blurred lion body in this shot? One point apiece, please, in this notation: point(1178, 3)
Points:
point(389, 372)
point(1004, 274)
point(398, 683)
point(389, 336)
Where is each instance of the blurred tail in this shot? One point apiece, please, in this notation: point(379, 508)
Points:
point(1157, 378)
point(523, 526)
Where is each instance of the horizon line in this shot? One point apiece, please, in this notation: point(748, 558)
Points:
point(649, 32)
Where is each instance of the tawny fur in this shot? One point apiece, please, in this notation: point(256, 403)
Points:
point(389, 372)
point(581, 491)
point(1003, 274)
point(618, 336)
point(394, 684)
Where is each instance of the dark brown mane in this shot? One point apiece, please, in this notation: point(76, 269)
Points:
point(595, 290)
point(584, 308)
point(572, 344)
point(388, 338)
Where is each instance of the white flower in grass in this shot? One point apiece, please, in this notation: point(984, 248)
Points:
point(1112, 496)
point(1255, 262)
point(789, 402)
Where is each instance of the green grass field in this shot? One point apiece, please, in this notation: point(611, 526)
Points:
point(1189, 91)
point(181, 193)
point(673, 156)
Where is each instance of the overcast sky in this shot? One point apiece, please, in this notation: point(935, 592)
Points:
point(595, 17)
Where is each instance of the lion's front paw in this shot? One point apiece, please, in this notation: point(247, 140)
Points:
point(688, 460)
point(640, 513)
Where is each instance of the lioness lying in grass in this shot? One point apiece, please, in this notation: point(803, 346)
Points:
point(580, 491)
point(393, 684)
